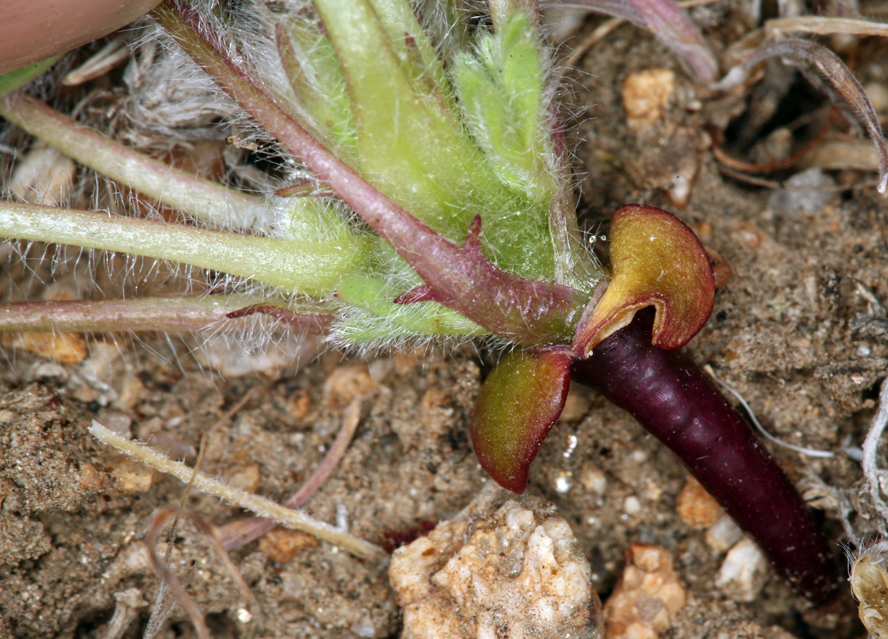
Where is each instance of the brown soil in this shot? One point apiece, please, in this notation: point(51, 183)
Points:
point(791, 331)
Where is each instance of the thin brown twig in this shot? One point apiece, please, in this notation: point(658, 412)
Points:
point(234, 410)
point(600, 32)
point(770, 167)
point(159, 520)
point(774, 184)
point(161, 609)
point(243, 531)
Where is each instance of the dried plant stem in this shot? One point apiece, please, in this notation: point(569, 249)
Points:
point(824, 25)
point(770, 167)
point(871, 469)
point(670, 24)
point(160, 519)
point(263, 507)
point(312, 268)
point(817, 62)
point(241, 532)
point(596, 36)
point(203, 199)
point(163, 606)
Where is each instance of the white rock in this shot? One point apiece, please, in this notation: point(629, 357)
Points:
point(801, 200)
point(723, 534)
point(504, 567)
point(631, 505)
point(594, 480)
point(744, 572)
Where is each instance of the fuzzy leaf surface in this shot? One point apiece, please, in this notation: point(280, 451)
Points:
point(526, 311)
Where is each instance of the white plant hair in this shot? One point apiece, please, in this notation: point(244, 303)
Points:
point(171, 101)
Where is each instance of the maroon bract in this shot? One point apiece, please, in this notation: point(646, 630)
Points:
point(656, 260)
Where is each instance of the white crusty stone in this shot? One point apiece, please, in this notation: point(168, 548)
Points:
point(723, 534)
point(869, 583)
point(506, 566)
point(744, 572)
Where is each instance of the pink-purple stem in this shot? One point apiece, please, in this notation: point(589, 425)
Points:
point(678, 404)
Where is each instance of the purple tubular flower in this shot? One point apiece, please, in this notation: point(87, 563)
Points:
point(678, 404)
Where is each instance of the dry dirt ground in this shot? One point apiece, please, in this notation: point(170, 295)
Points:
point(795, 331)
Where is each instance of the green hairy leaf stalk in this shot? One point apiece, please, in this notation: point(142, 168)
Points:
point(428, 144)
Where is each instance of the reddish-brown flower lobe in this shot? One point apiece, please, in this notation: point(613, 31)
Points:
point(656, 260)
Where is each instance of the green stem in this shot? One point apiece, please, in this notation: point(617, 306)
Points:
point(164, 314)
point(311, 268)
point(203, 199)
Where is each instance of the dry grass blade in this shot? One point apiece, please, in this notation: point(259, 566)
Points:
point(809, 56)
point(822, 25)
point(871, 469)
point(599, 34)
point(113, 54)
point(259, 505)
point(672, 26)
point(833, 155)
point(243, 531)
point(163, 606)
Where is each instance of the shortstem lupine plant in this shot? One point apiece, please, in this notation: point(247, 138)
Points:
point(437, 132)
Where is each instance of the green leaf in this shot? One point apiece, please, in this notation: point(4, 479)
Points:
point(410, 145)
point(522, 78)
point(13, 80)
point(316, 78)
point(395, 320)
point(518, 404)
point(309, 219)
point(419, 60)
point(501, 92)
point(414, 147)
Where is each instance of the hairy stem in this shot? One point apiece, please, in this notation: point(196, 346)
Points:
point(678, 404)
point(526, 311)
point(203, 199)
point(166, 314)
point(312, 268)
